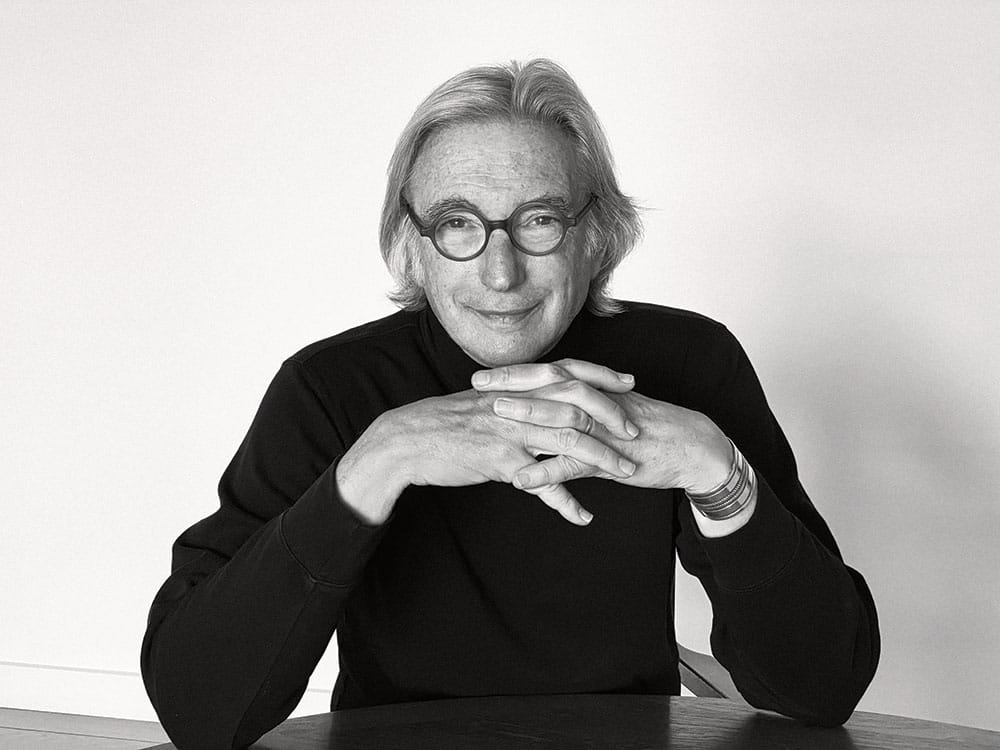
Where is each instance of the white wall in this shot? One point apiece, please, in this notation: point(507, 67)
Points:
point(189, 192)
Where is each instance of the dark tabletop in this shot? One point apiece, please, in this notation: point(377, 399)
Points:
point(623, 722)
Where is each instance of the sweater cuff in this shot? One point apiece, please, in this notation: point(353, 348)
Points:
point(325, 536)
point(757, 553)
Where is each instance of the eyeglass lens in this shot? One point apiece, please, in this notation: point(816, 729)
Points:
point(536, 228)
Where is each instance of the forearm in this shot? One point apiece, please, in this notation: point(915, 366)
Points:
point(796, 628)
point(231, 643)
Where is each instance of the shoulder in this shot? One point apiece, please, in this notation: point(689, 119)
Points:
point(392, 332)
point(680, 355)
point(681, 330)
point(355, 360)
point(647, 312)
point(359, 372)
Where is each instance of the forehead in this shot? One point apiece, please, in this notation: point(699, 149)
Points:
point(495, 165)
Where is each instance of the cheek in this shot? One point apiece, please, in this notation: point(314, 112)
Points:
point(440, 278)
point(576, 279)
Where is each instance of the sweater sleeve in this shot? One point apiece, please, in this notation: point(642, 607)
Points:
point(795, 627)
point(256, 589)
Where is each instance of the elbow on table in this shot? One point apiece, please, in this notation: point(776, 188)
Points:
point(828, 695)
point(831, 703)
point(816, 697)
point(187, 727)
point(193, 718)
point(831, 715)
point(819, 712)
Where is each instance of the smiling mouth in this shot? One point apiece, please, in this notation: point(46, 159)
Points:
point(504, 318)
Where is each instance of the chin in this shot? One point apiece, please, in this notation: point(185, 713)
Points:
point(499, 360)
point(494, 342)
point(509, 354)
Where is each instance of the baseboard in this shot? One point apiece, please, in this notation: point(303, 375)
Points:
point(100, 692)
point(50, 723)
point(74, 690)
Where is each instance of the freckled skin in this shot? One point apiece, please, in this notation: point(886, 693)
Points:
point(497, 166)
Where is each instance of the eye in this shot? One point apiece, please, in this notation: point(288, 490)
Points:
point(456, 221)
point(537, 219)
point(543, 220)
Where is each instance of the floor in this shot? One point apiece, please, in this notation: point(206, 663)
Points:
point(35, 730)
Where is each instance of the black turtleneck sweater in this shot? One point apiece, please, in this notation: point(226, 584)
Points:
point(483, 590)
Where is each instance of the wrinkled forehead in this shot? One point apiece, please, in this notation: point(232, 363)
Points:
point(493, 162)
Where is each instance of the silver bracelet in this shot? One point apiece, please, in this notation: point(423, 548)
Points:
point(732, 495)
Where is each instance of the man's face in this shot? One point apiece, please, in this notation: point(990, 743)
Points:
point(503, 307)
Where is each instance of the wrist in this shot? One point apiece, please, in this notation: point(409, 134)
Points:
point(369, 478)
point(730, 497)
point(714, 466)
point(716, 529)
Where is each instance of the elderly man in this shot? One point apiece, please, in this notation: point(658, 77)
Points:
point(398, 483)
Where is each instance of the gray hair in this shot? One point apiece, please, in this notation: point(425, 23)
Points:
point(540, 91)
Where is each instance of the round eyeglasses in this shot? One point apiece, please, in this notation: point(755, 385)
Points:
point(460, 232)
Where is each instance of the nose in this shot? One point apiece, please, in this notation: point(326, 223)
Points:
point(501, 264)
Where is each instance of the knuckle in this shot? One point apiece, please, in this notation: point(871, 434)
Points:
point(620, 412)
point(569, 468)
point(565, 467)
point(565, 366)
point(553, 371)
point(608, 457)
point(546, 472)
point(567, 438)
point(565, 388)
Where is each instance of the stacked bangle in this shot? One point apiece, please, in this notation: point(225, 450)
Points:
point(731, 496)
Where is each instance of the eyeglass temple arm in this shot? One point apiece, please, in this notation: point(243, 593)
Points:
point(574, 220)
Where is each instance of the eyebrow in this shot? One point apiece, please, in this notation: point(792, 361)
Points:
point(439, 207)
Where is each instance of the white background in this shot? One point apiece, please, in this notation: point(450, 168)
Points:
point(189, 192)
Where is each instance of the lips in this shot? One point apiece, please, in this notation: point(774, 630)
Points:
point(504, 316)
point(518, 311)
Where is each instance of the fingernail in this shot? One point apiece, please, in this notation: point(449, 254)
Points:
point(481, 378)
point(521, 479)
point(503, 406)
point(626, 378)
point(586, 515)
point(626, 466)
point(631, 429)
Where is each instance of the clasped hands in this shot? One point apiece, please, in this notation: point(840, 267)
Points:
point(582, 419)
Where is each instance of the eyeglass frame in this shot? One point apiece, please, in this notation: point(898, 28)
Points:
point(504, 224)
